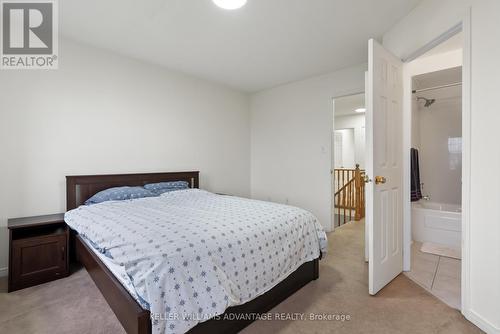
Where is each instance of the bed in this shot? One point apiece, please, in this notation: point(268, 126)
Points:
point(131, 293)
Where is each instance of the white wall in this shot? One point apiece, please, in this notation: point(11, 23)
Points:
point(440, 168)
point(431, 128)
point(432, 17)
point(102, 113)
point(415, 124)
point(356, 122)
point(291, 129)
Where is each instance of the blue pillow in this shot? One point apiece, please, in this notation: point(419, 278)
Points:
point(163, 187)
point(167, 190)
point(119, 193)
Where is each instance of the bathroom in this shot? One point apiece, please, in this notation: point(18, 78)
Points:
point(436, 183)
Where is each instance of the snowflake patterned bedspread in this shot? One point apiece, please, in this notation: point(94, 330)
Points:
point(191, 254)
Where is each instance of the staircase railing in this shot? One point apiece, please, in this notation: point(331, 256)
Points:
point(349, 198)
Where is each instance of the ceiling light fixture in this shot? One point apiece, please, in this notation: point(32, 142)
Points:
point(230, 4)
point(360, 110)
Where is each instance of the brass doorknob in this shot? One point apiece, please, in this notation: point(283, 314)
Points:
point(380, 179)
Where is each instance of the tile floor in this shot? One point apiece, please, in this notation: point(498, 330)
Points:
point(437, 274)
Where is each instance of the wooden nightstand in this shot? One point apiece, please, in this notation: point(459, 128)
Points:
point(38, 250)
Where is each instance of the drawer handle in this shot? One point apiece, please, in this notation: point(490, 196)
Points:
point(63, 253)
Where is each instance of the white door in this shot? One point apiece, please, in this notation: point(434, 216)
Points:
point(367, 198)
point(384, 123)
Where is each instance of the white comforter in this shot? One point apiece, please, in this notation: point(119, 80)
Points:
point(191, 254)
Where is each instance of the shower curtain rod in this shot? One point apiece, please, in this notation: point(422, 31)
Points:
point(436, 87)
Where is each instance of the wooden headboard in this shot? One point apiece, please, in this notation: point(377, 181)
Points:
point(81, 188)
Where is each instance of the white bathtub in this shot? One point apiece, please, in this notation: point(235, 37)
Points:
point(437, 222)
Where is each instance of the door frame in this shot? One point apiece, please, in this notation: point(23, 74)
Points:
point(465, 27)
point(345, 93)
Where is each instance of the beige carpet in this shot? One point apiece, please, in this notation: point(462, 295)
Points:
point(74, 305)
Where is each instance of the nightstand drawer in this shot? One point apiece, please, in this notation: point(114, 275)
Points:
point(38, 259)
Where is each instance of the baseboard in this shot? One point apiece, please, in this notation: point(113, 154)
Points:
point(4, 271)
point(482, 323)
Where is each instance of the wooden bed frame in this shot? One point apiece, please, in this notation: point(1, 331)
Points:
point(136, 320)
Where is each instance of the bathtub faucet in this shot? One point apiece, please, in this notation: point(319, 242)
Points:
point(426, 198)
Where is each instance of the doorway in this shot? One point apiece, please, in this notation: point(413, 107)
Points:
point(390, 95)
point(436, 171)
point(348, 159)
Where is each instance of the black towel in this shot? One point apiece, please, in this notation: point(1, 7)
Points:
point(416, 192)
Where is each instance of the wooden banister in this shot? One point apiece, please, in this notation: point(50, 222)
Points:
point(345, 186)
point(349, 194)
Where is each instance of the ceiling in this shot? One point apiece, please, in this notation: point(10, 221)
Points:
point(439, 78)
point(444, 77)
point(347, 105)
point(453, 43)
point(264, 44)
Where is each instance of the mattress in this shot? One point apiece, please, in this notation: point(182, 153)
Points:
point(188, 255)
